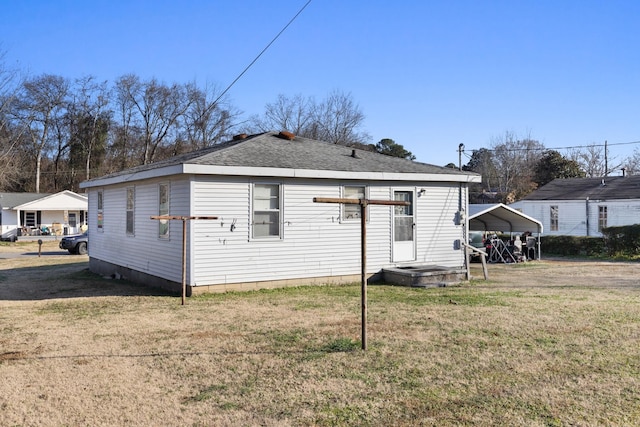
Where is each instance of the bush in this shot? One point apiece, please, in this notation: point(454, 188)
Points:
point(572, 245)
point(623, 240)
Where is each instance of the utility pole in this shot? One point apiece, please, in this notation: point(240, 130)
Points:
point(606, 159)
point(460, 151)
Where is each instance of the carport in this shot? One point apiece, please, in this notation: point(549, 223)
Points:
point(502, 218)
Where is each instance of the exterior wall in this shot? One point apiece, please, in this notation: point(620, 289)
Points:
point(316, 241)
point(575, 215)
point(316, 244)
point(438, 233)
point(144, 251)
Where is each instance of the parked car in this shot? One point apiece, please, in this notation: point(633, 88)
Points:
point(76, 244)
point(9, 236)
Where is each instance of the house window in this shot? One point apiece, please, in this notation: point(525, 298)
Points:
point(163, 209)
point(553, 218)
point(352, 192)
point(266, 210)
point(131, 199)
point(602, 217)
point(100, 210)
point(29, 219)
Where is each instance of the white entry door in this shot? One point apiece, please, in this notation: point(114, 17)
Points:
point(404, 242)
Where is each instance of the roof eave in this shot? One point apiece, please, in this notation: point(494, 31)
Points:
point(327, 174)
point(196, 169)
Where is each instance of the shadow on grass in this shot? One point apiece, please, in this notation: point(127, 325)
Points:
point(66, 280)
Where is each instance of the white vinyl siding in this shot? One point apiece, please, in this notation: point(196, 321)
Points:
point(576, 215)
point(144, 252)
point(317, 242)
point(438, 236)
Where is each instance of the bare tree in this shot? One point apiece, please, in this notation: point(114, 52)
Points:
point(632, 163)
point(590, 159)
point(594, 160)
point(514, 160)
point(41, 103)
point(336, 119)
point(10, 130)
point(89, 119)
point(291, 114)
point(154, 108)
point(208, 120)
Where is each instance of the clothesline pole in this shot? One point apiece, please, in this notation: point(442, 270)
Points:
point(184, 220)
point(363, 249)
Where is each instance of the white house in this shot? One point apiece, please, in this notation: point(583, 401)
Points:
point(269, 231)
point(583, 206)
point(28, 213)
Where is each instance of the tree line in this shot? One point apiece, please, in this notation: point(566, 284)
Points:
point(514, 166)
point(56, 132)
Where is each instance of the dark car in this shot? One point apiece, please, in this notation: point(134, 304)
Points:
point(76, 244)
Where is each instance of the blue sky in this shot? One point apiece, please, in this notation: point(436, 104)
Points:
point(428, 74)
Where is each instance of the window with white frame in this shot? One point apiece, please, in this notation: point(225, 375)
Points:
point(100, 218)
point(266, 211)
point(131, 204)
point(602, 217)
point(553, 218)
point(163, 209)
point(352, 192)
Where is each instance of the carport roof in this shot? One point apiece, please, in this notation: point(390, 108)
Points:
point(500, 217)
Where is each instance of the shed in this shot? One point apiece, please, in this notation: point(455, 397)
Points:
point(269, 232)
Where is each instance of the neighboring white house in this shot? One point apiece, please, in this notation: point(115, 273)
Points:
point(583, 206)
point(28, 213)
point(269, 231)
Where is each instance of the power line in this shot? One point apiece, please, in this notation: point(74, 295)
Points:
point(260, 54)
point(558, 148)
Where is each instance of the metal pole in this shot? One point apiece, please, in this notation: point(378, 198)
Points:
point(184, 259)
point(363, 292)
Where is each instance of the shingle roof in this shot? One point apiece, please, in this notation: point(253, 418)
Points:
point(268, 150)
point(10, 200)
point(608, 188)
